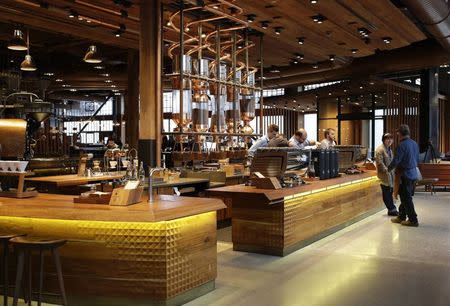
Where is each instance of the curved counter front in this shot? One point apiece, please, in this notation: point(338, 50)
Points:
point(144, 254)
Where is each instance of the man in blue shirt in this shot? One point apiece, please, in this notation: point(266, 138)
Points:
point(272, 132)
point(406, 161)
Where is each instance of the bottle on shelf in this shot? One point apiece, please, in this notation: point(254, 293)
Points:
point(142, 173)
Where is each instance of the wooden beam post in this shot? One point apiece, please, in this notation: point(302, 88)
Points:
point(150, 83)
point(132, 100)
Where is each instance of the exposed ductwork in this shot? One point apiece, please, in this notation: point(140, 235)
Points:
point(417, 56)
point(435, 16)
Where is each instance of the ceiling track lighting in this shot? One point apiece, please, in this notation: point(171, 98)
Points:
point(278, 30)
point(17, 43)
point(265, 24)
point(92, 55)
point(251, 18)
point(387, 40)
point(28, 63)
point(301, 40)
point(319, 18)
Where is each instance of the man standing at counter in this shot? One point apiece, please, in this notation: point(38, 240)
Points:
point(300, 140)
point(329, 141)
point(406, 161)
point(272, 132)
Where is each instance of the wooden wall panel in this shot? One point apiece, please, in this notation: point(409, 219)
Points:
point(444, 124)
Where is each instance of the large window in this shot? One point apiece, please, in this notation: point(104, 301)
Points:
point(91, 134)
point(310, 121)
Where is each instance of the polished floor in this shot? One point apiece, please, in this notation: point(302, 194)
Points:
point(372, 262)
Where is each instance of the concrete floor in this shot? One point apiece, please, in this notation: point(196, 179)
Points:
point(373, 262)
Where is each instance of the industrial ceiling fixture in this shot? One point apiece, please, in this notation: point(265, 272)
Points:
point(387, 40)
point(319, 18)
point(92, 56)
point(17, 42)
point(278, 30)
point(28, 64)
point(301, 40)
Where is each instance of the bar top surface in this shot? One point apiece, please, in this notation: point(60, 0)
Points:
point(279, 194)
point(73, 179)
point(54, 206)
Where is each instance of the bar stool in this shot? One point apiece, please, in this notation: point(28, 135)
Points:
point(4, 240)
point(25, 247)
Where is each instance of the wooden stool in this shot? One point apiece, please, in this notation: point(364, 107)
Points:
point(4, 240)
point(25, 246)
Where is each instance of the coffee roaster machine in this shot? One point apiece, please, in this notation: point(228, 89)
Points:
point(21, 116)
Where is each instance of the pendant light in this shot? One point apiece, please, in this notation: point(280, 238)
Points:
point(28, 64)
point(91, 56)
point(17, 42)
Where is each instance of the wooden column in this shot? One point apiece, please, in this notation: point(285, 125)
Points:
point(429, 108)
point(132, 101)
point(150, 83)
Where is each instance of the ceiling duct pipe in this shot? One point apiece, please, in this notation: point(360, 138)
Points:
point(435, 16)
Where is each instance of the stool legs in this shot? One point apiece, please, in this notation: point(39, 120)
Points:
point(41, 276)
point(60, 275)
point(5, 273)
point(20, 266)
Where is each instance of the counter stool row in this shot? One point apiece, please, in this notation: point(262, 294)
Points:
point(25, 247)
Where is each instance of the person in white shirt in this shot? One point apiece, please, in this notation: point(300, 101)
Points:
point(300, 140)
point(272, 132)
point(329, 141)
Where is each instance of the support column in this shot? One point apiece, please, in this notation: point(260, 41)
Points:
point(132, 101)
point(429, 108)
point(150, 83)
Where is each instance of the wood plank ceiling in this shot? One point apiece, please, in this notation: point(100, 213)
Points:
point(337, 35)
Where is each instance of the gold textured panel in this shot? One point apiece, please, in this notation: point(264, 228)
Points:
point(155, 260)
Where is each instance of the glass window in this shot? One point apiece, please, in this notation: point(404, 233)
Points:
point(310, 121)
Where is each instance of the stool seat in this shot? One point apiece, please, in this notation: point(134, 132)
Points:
point(37, 242)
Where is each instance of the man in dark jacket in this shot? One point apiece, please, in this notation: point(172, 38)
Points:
point(406, 161)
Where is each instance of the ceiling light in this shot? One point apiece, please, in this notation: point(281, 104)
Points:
point(108, 81)
point(216, 7)
point(113, 86)
point(117, 33)
point(295, 61)
point(301, 40)
point(73, 14)
point(203, 35)
point(278, 30)
point(264, 24)
point(318, 18)
point(354, 51)
point(117, 93)
point(73, 89)
point(299, 56)
point(17, 42)
point(104, 74)
point(314, 1)
point(315, 66)
point(80, 18)
point(28, 64)
point(360, 87)
point(329, 93)
point(99, 67)
point(251, 18)
point(387, 40)
point(168, 23)
point(332, 57)
point(187, 29)
point(49, 74)
point(274, 69)
point(364, 32)
point(88, 21)
point(65, 85)
point(59, 80)
point(92, 56)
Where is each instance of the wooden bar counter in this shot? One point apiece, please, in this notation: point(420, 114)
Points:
point(278, 222)
point(144, 254)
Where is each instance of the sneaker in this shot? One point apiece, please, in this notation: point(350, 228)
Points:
point(410, 223)
point(397, 220)
point(393, 213)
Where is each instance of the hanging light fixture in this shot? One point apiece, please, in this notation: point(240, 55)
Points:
point(91, 56)
point(17, 42)
point(28, 64)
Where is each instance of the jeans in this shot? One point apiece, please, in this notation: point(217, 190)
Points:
point(388, 198)
point(406, 193)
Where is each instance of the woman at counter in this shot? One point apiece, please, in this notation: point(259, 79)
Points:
point(383, 158)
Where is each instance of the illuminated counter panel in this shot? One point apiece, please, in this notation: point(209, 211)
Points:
point(125, 262)
point(265, 221)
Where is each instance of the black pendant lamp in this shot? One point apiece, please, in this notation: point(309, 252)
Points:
point(92, 56)
point(28, 63)
point(17, 43)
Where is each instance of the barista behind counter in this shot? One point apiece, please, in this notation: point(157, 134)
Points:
point(272, 132)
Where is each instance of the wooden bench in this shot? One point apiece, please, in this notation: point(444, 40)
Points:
point(440, 171)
